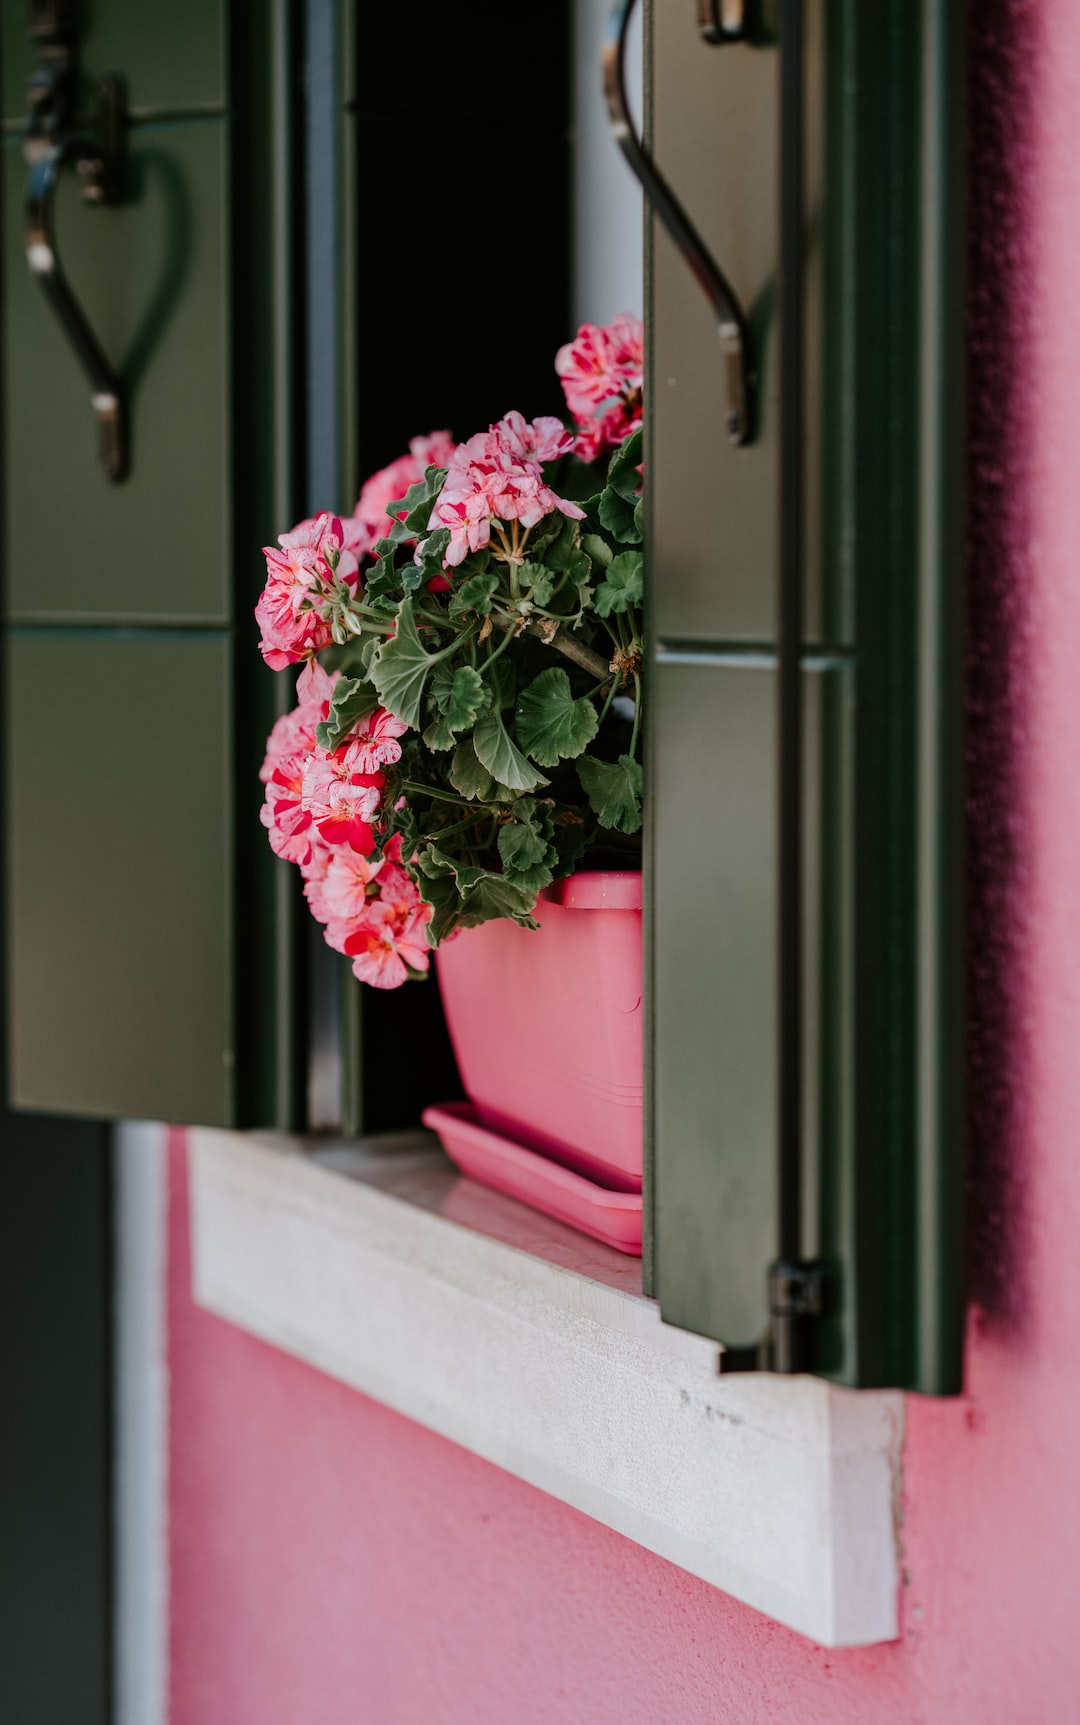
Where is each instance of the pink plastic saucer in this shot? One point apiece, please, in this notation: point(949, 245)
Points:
point(614, 1217)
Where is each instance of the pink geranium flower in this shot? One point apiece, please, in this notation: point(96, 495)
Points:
point(497, 476)
point(390, 483)
point(372, 743)
point(289, 749)
point(340, 885)
point(391, 939)
point(283, 813)
point(543, 439)
point(315, 871)
point(301, 571)
point(342, 803)
point(294, 732)
point(348, 885)
point(469, 520)
point(602, 371)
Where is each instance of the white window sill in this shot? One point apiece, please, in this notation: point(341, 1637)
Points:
point(535, 1348)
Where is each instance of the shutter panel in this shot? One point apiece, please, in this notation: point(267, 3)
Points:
point(804, 920)
point(141, 982)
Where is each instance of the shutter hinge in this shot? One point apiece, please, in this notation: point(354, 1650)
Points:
point(796, 1302)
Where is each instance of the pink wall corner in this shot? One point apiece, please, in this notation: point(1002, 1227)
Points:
point(331, 1561)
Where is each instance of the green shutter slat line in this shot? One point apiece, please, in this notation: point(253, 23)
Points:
point(880, 1016)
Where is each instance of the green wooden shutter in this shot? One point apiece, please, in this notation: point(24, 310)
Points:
point(805, 919)
point(145, 976)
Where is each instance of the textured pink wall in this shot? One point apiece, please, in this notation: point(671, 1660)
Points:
point(332, 1562)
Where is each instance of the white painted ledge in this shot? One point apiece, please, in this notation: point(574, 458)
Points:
point(527, 1344)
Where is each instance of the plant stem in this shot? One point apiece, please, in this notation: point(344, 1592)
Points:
point(458, 827)
point(508, 636)
point(610, 697)
point(637, 716)
point(430, 791)
point(573, 649)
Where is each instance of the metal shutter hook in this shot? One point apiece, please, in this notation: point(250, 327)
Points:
point(99, 162)
point(731, 323)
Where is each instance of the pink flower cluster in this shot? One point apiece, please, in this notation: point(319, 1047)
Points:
point(390, 483)
point(302, 571)
point(498, 476)
point(602, 371)
point(321, 811)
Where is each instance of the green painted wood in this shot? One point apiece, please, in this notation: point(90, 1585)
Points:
point(881, 1097)
point(172, 57)
point(894, 463)
point(714, 127)
point(155, 967)
point(119, 904)
point(713, 880)
point(714, 1003)
point(266, 491)
point(152, 277)
point(828, 1005)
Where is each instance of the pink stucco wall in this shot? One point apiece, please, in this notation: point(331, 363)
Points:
point(332, 1562)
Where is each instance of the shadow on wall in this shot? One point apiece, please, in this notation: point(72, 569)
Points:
point(1002, 62)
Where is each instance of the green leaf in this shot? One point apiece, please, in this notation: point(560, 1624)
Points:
point(366, 649)
point(537, 582)
point(402, 668)
point(503, 678)
point(501, 757)
point(467, 776)
point(623, 475)
point(412, 499)
point(617, 515)
point(475, 594)
point(563, 547)
point(464, 896)
point(534, 880)
point(571, 842)
point(351, 701)
point(439, 734)
point(624, 585)
point(598, 549)
point(522, 843)
point(493, 895)
point(551, 725)
point(406, 827)
point(468, 698)
point(614, 791)
point(544, 534)
point(418, 502)
point(442, 683)
point(436, 861)
point(433, 550)
point(382, 577)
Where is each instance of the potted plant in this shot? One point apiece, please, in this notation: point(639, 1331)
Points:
point(462, 767)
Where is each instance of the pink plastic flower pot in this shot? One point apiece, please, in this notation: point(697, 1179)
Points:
point(546, 1026)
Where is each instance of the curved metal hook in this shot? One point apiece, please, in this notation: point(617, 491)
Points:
point(46, 162)
point(734, 335)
